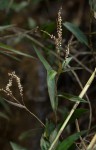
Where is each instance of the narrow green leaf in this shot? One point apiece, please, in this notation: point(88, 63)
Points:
point(5, 27)
point(5, 105)
point(29, 133)
point(4, 4)
point(4, 46)
point(44, 143)
point(67, 143)
point(43, 60)
point(77, 32)
point(16, 146)
point(53, 136)
point(66, 62)
point(49, 128)
point(80, 112)
point(8, 55)
point(92, 4)
point(71, 69)
point(51, 74)
point(19, 6)
point(14, 104)
point(72, 97)
point(5, 116)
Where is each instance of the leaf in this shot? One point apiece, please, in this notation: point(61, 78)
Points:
point(71, 69)
point(77, 32)
point(5, 105)
point(3, 115)
point(66, 62)
point(77, 114)
point(72, 97)
point(5, 27)
point(8, 55)
point(14, 104)
point(67, 143)
point(52, 88)
point(28, 134)
point(53, 136)
point(51, 74)
point(31, 23)
point(4, 4)
point(92, 4)
point(19, 6)
point(43, 60)
point(44, 143)
point(49, 128)
point(16, 146)
point(4, 46)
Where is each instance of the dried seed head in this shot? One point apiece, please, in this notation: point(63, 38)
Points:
point(8, 86)
point(58, 39)
point(13, 75)
point(59, 28)
point(67, 52)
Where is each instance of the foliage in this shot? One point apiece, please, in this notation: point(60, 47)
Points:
point(77, 32)
point(52, 138)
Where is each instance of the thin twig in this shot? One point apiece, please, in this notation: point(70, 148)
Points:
point(92, 143)
point(78, 129)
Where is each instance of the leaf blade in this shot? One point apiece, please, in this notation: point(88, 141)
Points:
point(5, 116)
point(72, 97)
point(67, 143)
point(52, 88)
point(4, 46)
point(16, 146)
point(51, 74)
point(77, 32)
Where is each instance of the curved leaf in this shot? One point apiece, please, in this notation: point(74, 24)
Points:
point(44, 144)
point(16, 146)
point(4, 46)
point(77, 32)
point(67, 143)
point(51, 78)
point(27, 134)
point(72, 97)
point(92, 4)
point(5, 116)
point(5, 27)
point(51, 74)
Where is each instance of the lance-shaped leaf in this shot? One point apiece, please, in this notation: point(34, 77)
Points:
point(29, 133)
point(16, 146)
point(92, 4)
point(6, 47)
point(66, 62)
point(67, 143)
point(77, 32)
point(44, 143)
point(2, 28)
point(72, 97)
point(5, 116)
point(4, 4)
point(51, 74)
